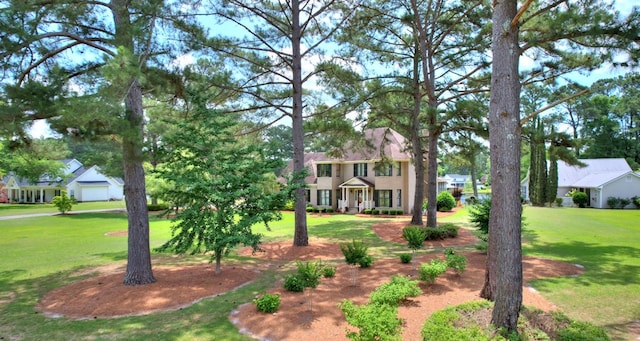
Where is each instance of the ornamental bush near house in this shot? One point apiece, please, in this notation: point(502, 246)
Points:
point(636, 201)
point(613, 202)
point(445, 202)
point(63, 202)
point(268, 303)
point(558, 202)
point(624, 202)
point(428, 272)
point(367, 211)
point(580, 198)
point(158, 207)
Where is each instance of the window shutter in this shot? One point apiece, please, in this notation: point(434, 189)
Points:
point(365, 166)
point(375, 197)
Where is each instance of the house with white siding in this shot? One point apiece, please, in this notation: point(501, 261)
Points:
point(599, 179)
point(83, 184)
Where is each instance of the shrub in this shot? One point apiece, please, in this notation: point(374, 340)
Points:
point(405, 258)
point(294, 283)
point(268, 303)
point(479, 215)
point(580, 198)
point(365, 261)
point(445, 202)
point(624, 202)
point(443, 324)
point(375, 212)
point(289, 205)
point(433, 233)
point(309, 209)
point(63, 202)
point(558, 202)
point(414, 235)
point(329, 209)
point(328, 271)
point(428, 272)
point(636, 201)
point(158, 207)
point(367, 211)
point(393, 293)
point(456, 262)
point(613, 202)
point(310, 273)
point(451, 230)
point(353, 252)
point(373, 321)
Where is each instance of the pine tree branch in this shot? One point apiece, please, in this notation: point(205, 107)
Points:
point(523, 9)
point(551, 105)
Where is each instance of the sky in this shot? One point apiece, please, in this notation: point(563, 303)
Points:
point(40, 128)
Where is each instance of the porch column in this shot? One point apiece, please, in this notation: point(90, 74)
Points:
point(41, 195)
point(366, 198)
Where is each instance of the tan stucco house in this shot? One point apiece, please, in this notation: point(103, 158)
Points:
point(360, 179)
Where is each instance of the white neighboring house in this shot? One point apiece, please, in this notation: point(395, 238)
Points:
point(83, 184)
point(600, 179)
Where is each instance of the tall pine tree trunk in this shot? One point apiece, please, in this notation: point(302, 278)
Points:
point(416, 144)
point(300, 237)
point(504, 267)
point(139, 254)
point(138, 251)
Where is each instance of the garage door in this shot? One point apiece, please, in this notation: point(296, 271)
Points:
point(95, 193)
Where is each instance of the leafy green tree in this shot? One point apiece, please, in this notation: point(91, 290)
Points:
point(218, 183)
point(32, 159)
point(85, 65)
point(63, 202)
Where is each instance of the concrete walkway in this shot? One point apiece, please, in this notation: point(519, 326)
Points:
point(21, 216)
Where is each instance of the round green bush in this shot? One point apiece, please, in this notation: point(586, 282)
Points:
point(580, 198)
point(405, 258)
point(268, 303)
point(294, 283)
point(445, 202)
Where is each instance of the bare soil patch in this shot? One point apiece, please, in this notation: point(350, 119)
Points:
point(301, 315)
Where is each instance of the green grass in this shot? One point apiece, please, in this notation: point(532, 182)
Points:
point(19, 209)
point(607, 244)
point(42, 253)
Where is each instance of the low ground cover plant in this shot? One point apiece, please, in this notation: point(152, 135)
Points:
point(455, 261)
point(441, 231)
point(395, 292)
point(468, 322)
point(378, 320)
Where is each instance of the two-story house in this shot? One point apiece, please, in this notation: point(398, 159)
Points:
point(380, 176)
